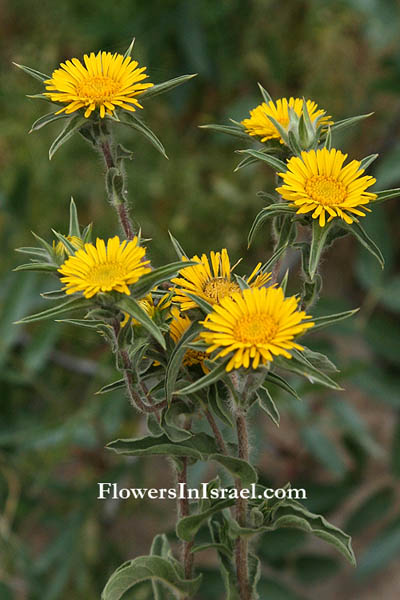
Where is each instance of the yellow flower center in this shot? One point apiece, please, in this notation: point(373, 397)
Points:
point(219, 287)
point(258, 328)
point(106, 274)
point(326, 190)
point(97, 88)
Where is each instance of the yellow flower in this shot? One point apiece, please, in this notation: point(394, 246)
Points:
point(95, 269)
point(150, 308)
point(212, 282)
point(254, 325)
point(318, 183)
point(178, 326)
point(106, 81)
point(61, 249)
point(259, 124)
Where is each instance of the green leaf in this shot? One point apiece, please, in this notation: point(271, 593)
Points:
point(71, 127)
point(321, 322)
point(266, 97)
point(361, 235)
point(292, 514)
point(144, 568)
point(268, 405)
point(268, 212)
point(386, 195)
point(160, 547)
point(37, 266)
point(271, 161)
point(319, 235)
point(46, 119)
point(38, 252)
point(199, 446)
point(74, 228)
point(110, 387)
point(176, 358)
point(344, 123)
point(165, 86)
point(178, 248)
point(368, 160)
point(130, 48)
point(204, 381)
point(151, 280)
point(187, 527)
point(74, 304)
point(205, 306)
point(238, 467)
point(134, 309)
point(32, 72)
point(218, 406)
point(228, 129)
point(140, 127)
point(65, 242)
point(298, 364)
point(281, 383)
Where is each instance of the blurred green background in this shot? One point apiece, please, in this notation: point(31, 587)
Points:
point(57, 541)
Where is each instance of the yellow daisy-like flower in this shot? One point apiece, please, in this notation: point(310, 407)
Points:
point(61, 249)
point(255, 325)
point(318, 183)
point(100, 268)
point(212, 282)
point(179, 324)
point(259, 124)
point(106, 81)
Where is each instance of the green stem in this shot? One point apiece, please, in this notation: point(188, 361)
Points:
point(241, 549)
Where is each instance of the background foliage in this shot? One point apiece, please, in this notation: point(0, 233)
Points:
point(57, 540)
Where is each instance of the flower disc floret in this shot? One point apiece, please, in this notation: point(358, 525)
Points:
point(253, 326)
point(100, 268)
point(105, 81)
point(317, 182)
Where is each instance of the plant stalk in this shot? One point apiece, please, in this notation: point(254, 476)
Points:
point(241, 549)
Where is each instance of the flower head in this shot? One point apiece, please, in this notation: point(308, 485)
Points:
point(106, 81)
point(211, 279)
point(61, 249)
point(254, 325)
point(100, 268)
point(179, 324)
point(317, 182)
point(259, 124)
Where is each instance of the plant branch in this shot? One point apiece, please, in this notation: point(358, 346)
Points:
point(241, 550)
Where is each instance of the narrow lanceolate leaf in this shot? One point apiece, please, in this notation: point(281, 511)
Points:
point(281, 383)
point(37, 266)
point(38, 252)
point(268, 405)
point(365, 162)
point(86, 323)
point(266, 97)
point(53, 295)
point(349, 122)
point(151, 280)
point(175, 361)
point(141, 128)
point(203, 304)
point(292, 514)
point(321, 322)
point(130, 48)
point(65, 242)
point(361, 235)
point(71, 127)
point(272, 161)
point(74, 228)
point(204, 381)
point(319, 235)
point(228, 129)
point(146, 568)
point(32, 72)
point(177, 247)
point(166, 86)
point(386, 195)
point(273, 210)
point(69, 305)
point(298, 364)
point(200, 446)
point(133, 309)
point(110, 387)
point(187, 527)
point(46, 119)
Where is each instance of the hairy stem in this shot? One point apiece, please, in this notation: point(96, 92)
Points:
point(183, 511)
point(241, 550)
point(218, 436)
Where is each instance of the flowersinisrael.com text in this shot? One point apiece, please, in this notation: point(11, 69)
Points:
point(182, 491)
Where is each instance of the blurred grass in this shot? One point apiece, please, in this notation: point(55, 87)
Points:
point(56, 540)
